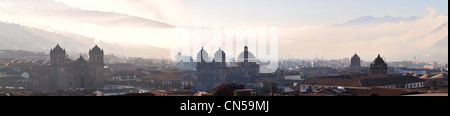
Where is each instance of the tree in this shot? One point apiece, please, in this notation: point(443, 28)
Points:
point(268, 89)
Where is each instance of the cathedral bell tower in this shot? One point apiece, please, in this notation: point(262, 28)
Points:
point(96, 67)
point(355, 62)
point(379, 67)
point(59, 77)
point(96, 55)
point(57, 56)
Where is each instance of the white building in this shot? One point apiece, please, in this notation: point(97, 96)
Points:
point(396, 81)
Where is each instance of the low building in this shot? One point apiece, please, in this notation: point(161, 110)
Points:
point(352, 82)
point(15, 82)
point(167, 80)
point(440, 80)
point(376, 91)
point(226, 89)
point(122, 78)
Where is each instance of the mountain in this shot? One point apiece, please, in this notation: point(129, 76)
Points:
point(15, 37)
point(378, 20)
point(18, 37)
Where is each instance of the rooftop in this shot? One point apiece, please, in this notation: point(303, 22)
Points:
point(352, 81)
point(430, 94)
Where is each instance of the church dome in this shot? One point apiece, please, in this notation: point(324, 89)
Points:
point(379, 60)
point(219, 55)
point(202, 55)
point(251, 57)
point(81, 59)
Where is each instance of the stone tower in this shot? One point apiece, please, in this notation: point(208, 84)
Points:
point(355, 62)
point(379, 67)
point(96, 67)
point(81, 70)
point(58, 77)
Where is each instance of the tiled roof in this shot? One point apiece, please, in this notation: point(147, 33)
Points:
point(165, 77)
point(376, 92)
point(439, 76)
point(221, 86)
point(345, 80)
point(390, 81)
point(332, 81)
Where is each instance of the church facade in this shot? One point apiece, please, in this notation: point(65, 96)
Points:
point(212, 73)
point(379, 67)
point(355, 62)
point(82, 73)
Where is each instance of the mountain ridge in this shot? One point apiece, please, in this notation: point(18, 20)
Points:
point(18, 37)
point(378, 20)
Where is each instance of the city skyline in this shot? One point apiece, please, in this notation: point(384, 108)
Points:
point(398, 30)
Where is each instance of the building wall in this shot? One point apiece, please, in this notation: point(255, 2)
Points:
point(65, 73)
point(406, 86)
point(315, 88)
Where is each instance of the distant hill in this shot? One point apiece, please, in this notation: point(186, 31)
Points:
point(18, 37)
point(378, 20)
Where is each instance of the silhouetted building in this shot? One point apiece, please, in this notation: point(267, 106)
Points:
point(65, 73)
point(379, 67)
point(356, 82)
point(355, 62)
point(213, 73)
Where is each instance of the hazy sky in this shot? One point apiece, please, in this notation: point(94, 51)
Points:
point(306, 26)
point(309, 12)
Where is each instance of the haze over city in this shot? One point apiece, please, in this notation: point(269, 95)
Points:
point(398, 30)
point(224, 48)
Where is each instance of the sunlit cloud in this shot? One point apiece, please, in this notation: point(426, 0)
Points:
point(397, 41)
point(100, 23)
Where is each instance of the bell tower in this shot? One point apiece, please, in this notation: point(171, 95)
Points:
point(96, 68)
point(96, 55)
point(57, 56)
point(379, 67)
point(355, 62)
point(58, 68)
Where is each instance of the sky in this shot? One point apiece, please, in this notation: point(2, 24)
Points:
point(310, 12)
point(306, 27)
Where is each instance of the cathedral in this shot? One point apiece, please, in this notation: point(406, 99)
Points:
point(213, 72)
point(355, 62)
point(379, 67)
point(81, 73)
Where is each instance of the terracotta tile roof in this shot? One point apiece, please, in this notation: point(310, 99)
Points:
point(439, 76)
point(429, 89)
point(429, 94)
point(376, 92)
point(346, 80)
point(221, 86)
point(3, 94)
point(390, 81)
point(424, 76)
point(332, 81)
point(165, 77)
